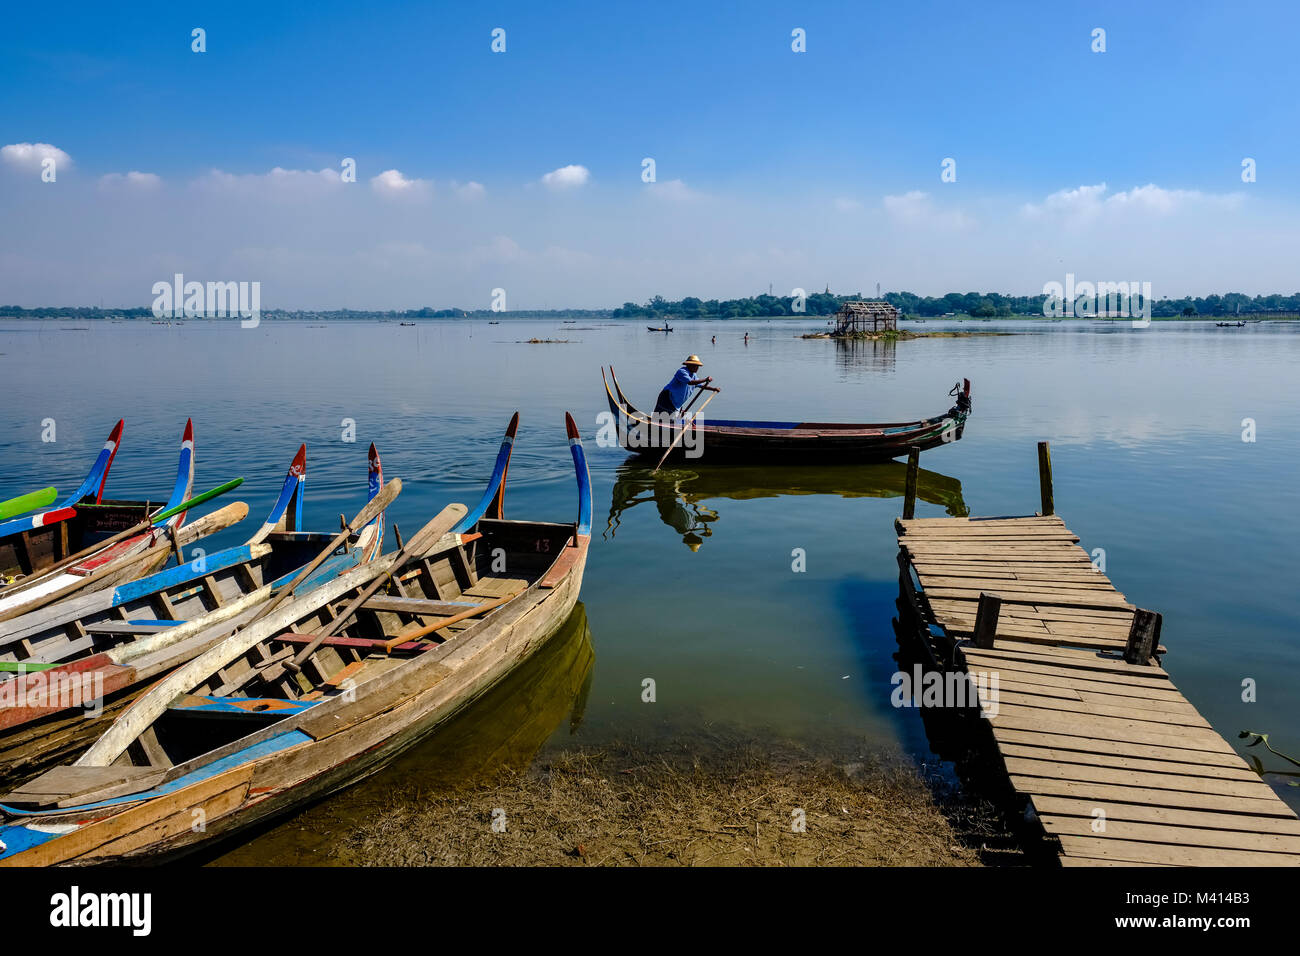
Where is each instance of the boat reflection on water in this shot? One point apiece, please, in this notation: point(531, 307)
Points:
point(506, 727)
point(680, 493)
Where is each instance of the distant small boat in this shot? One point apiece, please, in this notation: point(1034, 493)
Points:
point(494, 323)
point(651, 328)
point(406, 323)
point(1230, 325)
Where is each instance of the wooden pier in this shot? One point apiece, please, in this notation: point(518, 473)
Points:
point(1118, 767)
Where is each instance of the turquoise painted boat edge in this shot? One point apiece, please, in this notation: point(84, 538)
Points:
point(272, 745)
point(331, 568)
point(179, 575)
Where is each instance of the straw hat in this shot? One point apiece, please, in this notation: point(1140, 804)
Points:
point(693, 360)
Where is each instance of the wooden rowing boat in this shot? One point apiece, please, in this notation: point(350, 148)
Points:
point(237, 736)
point(651, 328)
point(39, 558)
point(112, 642)
point(32, 543)
point(760, 442)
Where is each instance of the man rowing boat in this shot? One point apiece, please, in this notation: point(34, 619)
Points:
point(674, 394)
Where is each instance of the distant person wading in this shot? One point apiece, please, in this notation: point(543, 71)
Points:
point(676, 392)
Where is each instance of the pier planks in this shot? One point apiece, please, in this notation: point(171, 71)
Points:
point(1119, 767)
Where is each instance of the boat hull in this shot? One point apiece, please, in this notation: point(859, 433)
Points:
point(779, 442)
point(252, 792)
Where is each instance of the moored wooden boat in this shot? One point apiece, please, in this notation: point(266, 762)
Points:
point(317, 694)
point(759, 442)
point(651, 328)
point(99, 521)
point(31, 543)
point(66, 670)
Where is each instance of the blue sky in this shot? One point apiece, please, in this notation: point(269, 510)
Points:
point(772, 166)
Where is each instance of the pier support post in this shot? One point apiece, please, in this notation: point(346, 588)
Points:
point(909, 487)
point(1143, 637)
point(986, 620)
point(1045, 478)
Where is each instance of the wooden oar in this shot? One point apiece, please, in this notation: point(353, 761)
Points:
point(424, 539)
point(716, 392)
point(27, 502)
point(219, 520)
point(454, 619)
point(131, 532)
point(374, 507)
point(698, 392)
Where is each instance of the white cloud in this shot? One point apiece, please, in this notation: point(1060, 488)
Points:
point(672, 189)
point(916, 208)
point(1087, 203)
point(469, 190)
point(566, 177)
point(29, 156)
point(278, 181)
point(391, 182)
point(134, 179)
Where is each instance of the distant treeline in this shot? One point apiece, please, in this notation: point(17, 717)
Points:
point(979, 304)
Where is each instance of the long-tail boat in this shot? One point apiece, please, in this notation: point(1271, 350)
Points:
point(80, 548)
point(317, 694)
point(32, 543)
point(758, 442)
point(67, 670)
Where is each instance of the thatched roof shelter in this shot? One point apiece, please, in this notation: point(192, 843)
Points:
point(869, 315)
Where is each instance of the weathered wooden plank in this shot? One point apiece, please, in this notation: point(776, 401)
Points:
point(1016, 717)
point(1132, 851)
point(1026, 767)
point(1176, 835)
point(1088, 790)
point(1069, 658)
point(1172, 816)
point(1123, 761)
point(1086, 745)
point(1114, 684)
point(1092, 709)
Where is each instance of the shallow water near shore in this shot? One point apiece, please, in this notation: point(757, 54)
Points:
point(690, 580)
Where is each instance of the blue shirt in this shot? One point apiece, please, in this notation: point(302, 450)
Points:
point(680, 387)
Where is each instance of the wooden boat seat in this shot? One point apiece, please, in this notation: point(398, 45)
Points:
point(72, 785)
point(131, 627)
point(359, 643)
point(259, 707)
point(405, 605)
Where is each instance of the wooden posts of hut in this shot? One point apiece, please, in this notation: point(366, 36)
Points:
point(865, 317)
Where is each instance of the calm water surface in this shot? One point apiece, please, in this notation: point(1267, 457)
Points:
point(689, 580)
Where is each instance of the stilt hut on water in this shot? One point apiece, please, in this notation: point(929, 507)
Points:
point(870, 315)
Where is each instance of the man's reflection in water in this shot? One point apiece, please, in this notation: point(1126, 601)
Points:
point(690, 521)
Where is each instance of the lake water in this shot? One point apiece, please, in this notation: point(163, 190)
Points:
point(690, 578)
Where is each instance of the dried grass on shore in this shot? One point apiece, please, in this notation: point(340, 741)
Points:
point(666, 805)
